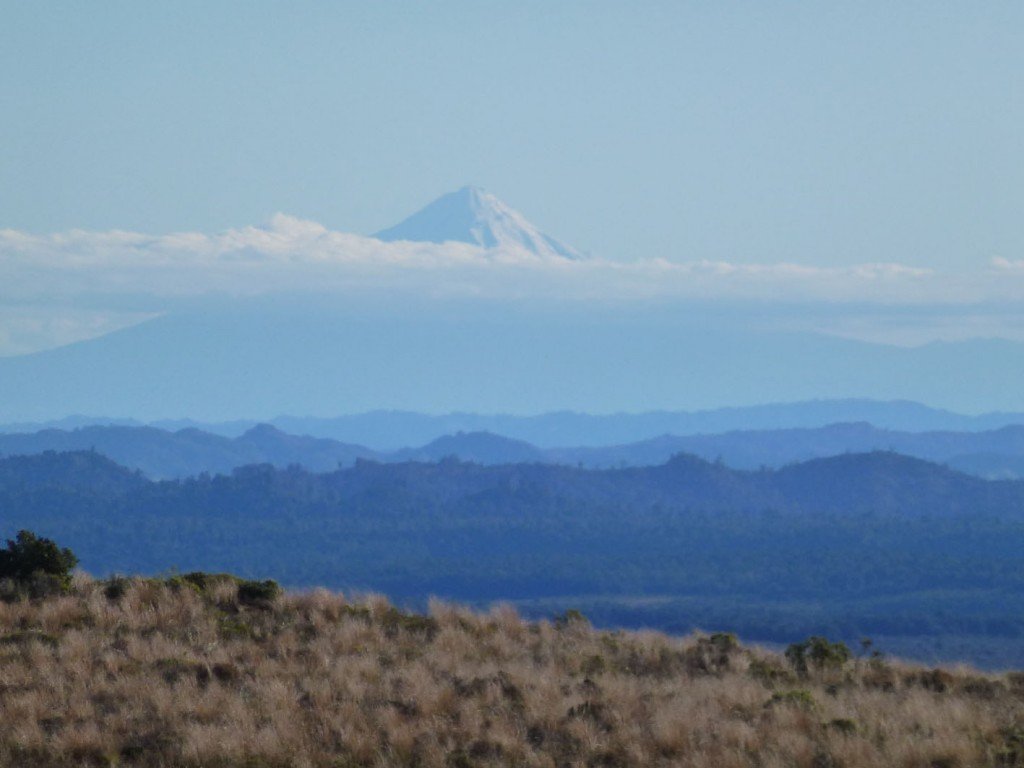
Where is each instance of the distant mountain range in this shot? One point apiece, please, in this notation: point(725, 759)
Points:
point(394, 430)
point(161, 453)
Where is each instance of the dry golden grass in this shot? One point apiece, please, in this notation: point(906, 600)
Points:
point(167, 675)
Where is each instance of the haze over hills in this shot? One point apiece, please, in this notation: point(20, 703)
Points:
point(471, 215)
point(390, 430)
point(186, 452)
point(252, 360)
point(395, 430)
point(993, 453)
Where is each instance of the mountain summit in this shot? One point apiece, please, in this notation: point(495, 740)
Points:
point(472, 215)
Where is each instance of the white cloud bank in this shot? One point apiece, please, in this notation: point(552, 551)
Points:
point(292, 254)
point(79, 277)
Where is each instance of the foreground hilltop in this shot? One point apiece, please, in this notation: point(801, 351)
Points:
point(205, 670)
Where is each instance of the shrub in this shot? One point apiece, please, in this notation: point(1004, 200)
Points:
point(40, 585)
point(1015, 680)
point(769, 671)
point(724, 641)
point(571, 617)
point(202, 581)
point(593, 665)
point(24, 636)
point(37, 563)
point(817, 652)
point(395, 621)
point(936, 680)
point(843, 725)
point(232, 628)
point(713, 654)
point(258, 592)
point(1011, 752)
point(178, 583)
point(116, 587)
point(797, 698)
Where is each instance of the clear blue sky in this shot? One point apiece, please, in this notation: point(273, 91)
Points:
point(745, 131)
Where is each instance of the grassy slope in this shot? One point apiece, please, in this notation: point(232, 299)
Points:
point(170, 675)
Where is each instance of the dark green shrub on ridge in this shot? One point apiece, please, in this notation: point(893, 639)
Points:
point(37, 563)
point(203, 581)
point(258, 592)
point(116, 587)
point(819, 653)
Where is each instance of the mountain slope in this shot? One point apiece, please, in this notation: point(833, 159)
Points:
point(471, 215)
point(251, 361)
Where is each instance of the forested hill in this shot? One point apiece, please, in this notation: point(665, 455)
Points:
point(861, 544)
point(878, 484)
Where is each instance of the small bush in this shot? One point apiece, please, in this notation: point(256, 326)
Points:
point(258, 592)
point(936, 680)
point(25, 636)
point(769, 671)
point(1015, 681)
point(797, 698)
point(37, 563)
point(116, 587)
point(982, 687)
point(817, 652)
point(178, 583)
point(203, 581)
point(843, 725)
point(571, 617)
point(1011, 749)
point(724, 641)
point(395, 621)
point(41, 585)
point(173, 670)
point(713, 654)
point(593, 665)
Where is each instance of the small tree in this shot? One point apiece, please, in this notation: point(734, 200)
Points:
point(817, 652)
point(30, 558)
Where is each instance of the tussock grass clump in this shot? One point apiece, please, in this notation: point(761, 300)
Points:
point(208, 671)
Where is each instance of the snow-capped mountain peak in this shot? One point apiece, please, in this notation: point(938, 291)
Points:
point(472, 215)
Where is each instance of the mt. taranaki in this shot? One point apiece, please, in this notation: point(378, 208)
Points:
point(471, 215)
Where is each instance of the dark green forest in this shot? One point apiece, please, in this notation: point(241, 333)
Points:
point(876, 544)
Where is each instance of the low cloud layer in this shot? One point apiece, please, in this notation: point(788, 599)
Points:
point(68, 271)
point(294, 254)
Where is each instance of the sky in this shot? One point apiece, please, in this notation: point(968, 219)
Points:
point(830, 154)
